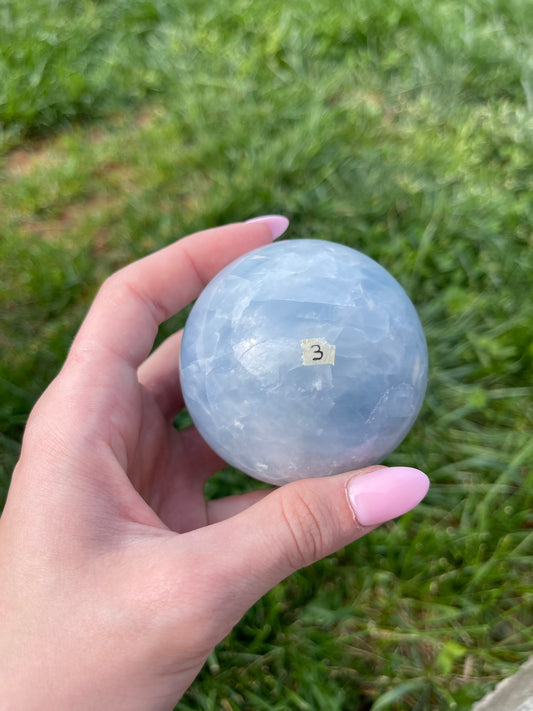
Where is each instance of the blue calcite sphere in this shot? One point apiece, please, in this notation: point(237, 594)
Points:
point(303, 358)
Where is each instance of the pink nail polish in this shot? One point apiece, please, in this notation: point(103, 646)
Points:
point(277, 224)
point(384, 494)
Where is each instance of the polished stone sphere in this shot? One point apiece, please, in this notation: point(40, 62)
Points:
point(303, 358)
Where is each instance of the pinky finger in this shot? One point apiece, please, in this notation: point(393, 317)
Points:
point(160, 376)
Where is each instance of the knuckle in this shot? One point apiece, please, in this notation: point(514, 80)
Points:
point(116, 288)
point(111, 283)
point(126, 286)
point(300, 515)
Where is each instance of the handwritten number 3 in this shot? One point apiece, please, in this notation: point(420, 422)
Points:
point(319, 352)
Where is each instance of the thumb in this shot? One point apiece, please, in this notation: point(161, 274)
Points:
point(306, 520)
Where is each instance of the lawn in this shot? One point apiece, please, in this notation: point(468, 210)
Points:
point(404, 129)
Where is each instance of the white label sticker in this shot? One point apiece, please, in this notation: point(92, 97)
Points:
point(317, 351)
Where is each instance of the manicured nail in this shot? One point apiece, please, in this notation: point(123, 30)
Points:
point(277, 224)
point(383, 494)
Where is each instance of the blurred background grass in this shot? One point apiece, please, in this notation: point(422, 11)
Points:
point(402, 129)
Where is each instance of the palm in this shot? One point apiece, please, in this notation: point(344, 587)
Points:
point(134, 395)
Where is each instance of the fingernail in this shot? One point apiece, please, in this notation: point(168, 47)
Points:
point(384, 494)
point(277, 224)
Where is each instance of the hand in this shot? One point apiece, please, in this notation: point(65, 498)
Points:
point(117, 578)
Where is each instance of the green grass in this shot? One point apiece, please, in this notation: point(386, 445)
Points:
point(403, 129)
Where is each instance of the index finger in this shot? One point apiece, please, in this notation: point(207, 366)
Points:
point(131, 304)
